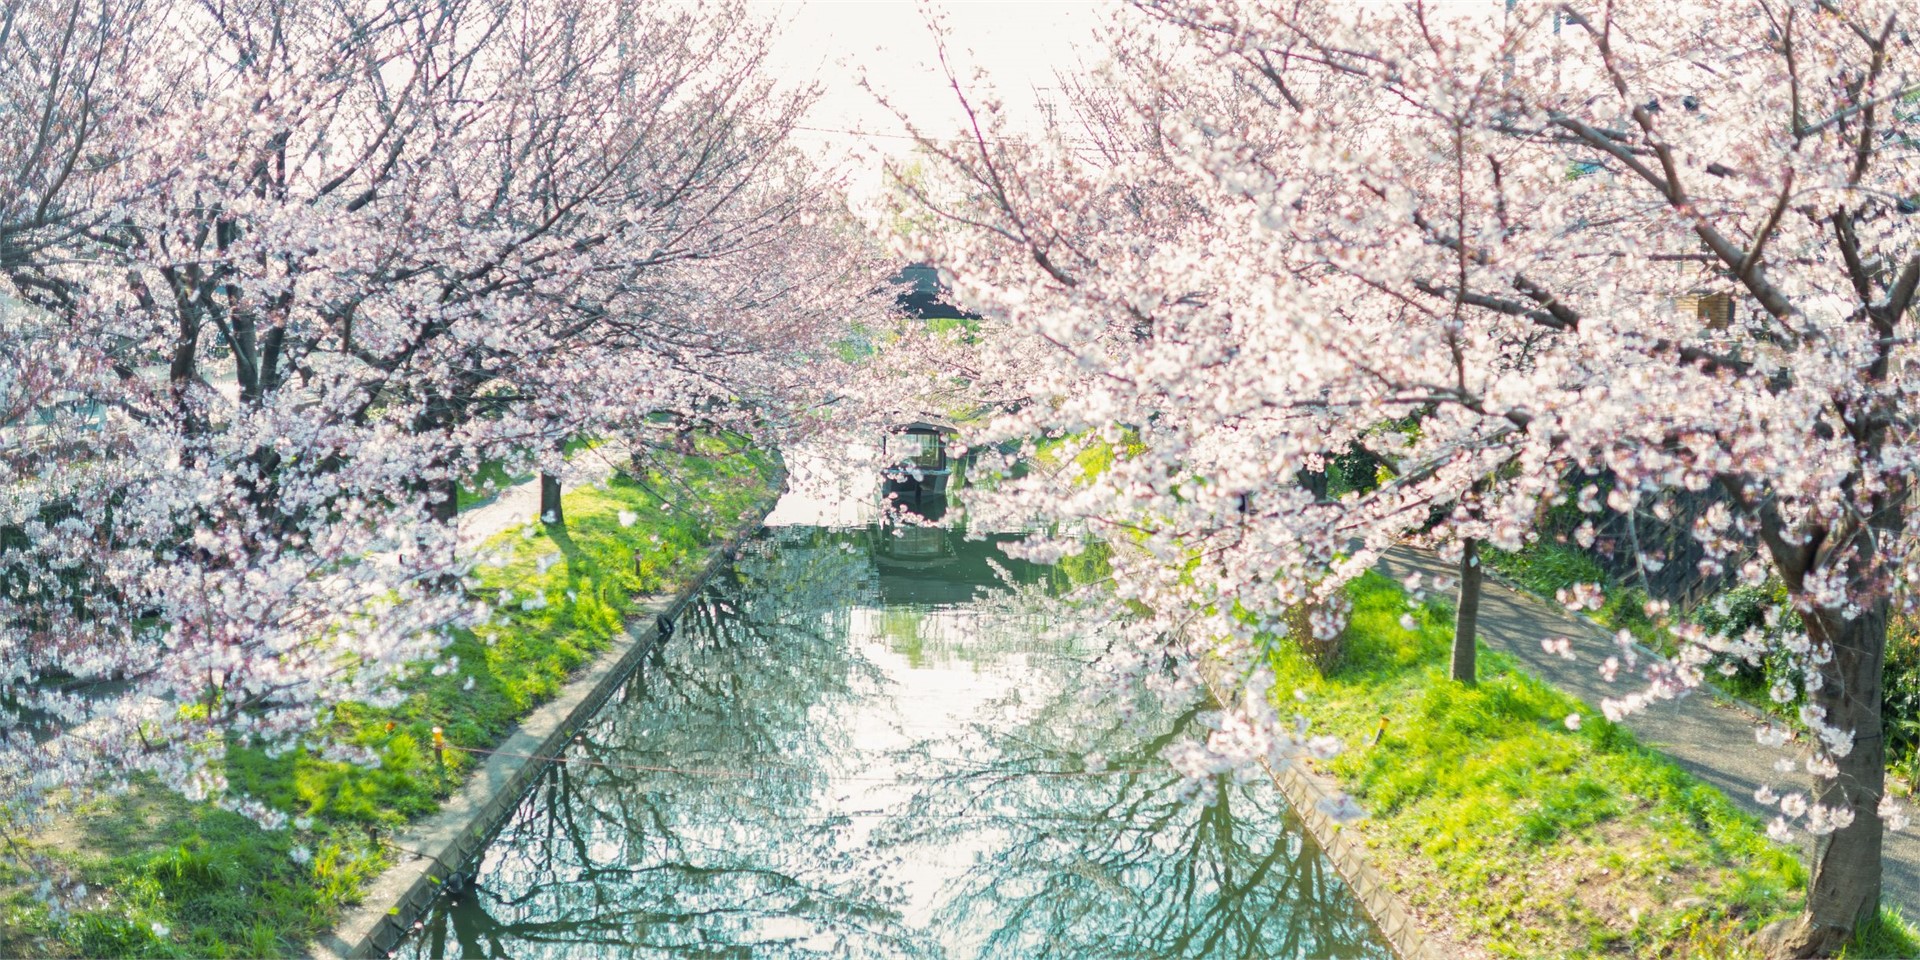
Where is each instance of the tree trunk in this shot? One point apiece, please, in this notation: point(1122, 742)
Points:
point(1316, 483)
point(443, 500)
point(550, 500)
point(441, 497)
point(1466, 617)
point(1843, 889)
point(182, 371)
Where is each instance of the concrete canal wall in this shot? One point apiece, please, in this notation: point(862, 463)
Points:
point(430, 850)
point(1390, 913)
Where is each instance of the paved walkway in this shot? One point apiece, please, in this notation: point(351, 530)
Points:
point(520, 503)
point(1706, 733)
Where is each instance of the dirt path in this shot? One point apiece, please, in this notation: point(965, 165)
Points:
point(520, 503)
point(1707, 733)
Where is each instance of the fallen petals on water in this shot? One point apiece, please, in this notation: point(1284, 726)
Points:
point(1340, 808)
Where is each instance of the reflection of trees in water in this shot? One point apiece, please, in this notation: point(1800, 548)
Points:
point(649, 863)
point(605, 857)
point(981, 639)
point(930, 579)
point(1123, 864)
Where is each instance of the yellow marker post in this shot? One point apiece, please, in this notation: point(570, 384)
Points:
point(1381, 732)
point(440, 755)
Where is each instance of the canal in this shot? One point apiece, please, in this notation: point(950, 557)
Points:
point(869, 742)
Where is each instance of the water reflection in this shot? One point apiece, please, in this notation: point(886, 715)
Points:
point(862, 744)
point(1122, 864)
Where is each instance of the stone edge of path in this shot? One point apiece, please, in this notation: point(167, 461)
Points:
point(1391, 915)
point(431, 849)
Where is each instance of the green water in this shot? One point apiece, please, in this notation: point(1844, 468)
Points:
point(863, 744)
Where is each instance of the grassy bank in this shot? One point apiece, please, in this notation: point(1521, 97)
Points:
point(147, 874)
point(1525, 837)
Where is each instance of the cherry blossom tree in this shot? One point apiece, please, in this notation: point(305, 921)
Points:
point(283, 274)
point(64, 63)
point(1466, 239)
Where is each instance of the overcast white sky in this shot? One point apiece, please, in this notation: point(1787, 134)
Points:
point(1020, 44)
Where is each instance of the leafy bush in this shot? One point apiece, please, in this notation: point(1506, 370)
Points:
point(1902, 696)
point(1736, 610)
point(1353, 471)
point(1091, 565)
point(1547, 567)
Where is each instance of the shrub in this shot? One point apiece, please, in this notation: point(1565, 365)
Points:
point(1901, 686)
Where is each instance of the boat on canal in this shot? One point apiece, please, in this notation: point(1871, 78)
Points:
point(918, 463)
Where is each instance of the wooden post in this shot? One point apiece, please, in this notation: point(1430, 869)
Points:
point(440, 756)
point(1466, 619)
point(550, 500)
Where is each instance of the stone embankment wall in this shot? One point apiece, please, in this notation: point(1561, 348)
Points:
point(1390, 914)
point(432, 849)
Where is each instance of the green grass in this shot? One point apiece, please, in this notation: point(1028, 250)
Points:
point(963, 329)
point(173, 879)
point(1893, 936)
point(486, 483)
point(1534, 839)
point(491, 477)
point(218, 885)
point(1090, 456)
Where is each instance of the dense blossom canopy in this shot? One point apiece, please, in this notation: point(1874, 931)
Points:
point(283, 274)
point(1471, 240)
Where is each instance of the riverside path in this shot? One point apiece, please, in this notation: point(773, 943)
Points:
point(1708, 734)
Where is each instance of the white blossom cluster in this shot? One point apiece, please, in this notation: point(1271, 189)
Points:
point(276, 278)
point(1500, 248)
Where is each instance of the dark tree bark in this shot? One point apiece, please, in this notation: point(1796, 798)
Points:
point(1316, 483)
point(1843, 890)
point(1843, 887)
point(1466, 618)
point(550, 500)
point(443, 498)
point(182, 370)
point(1845, 871)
